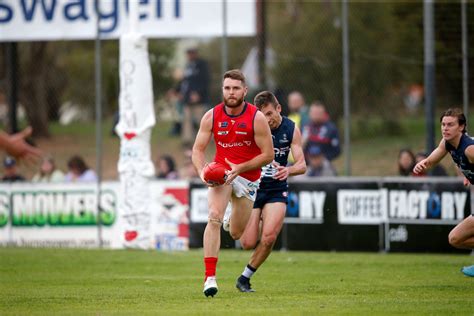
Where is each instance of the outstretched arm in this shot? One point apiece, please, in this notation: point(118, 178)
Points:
point(299, 167)
point(263, 139)
point(16, 146)
point(433, 159)
point(203, 138)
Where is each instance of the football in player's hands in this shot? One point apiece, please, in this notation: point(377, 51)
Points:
point(215, 173)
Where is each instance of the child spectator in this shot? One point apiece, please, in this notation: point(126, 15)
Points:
point(48, 172)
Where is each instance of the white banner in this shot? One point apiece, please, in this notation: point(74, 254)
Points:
point(362, 206)
point(137, 117)
point(64, 215)
point(28, 20)
point(400, 206)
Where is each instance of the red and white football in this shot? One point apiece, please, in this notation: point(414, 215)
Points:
point(214, 173)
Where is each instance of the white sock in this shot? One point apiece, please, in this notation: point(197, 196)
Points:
point(249, 271)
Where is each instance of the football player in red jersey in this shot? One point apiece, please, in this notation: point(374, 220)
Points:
point(243, 143)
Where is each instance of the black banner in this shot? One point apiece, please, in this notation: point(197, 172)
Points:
point(360, 214)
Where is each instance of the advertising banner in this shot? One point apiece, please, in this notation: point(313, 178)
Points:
point(137, 118)
point(64, 215)
point(39, 20)
point(421, 214)
point(361, 214)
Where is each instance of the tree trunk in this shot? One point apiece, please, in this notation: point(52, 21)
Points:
point(34, 92)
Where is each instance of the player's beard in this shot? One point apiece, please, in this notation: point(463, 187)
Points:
point(233, 103)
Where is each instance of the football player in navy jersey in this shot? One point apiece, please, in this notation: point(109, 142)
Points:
point(272, 196)
point(459, 145)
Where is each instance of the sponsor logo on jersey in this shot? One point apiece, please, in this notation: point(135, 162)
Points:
point(242, 125)
point(234, 144)
point(222, 132)
point(285, 139)
point(241, 133)
point(223, 124)
point(281, 151)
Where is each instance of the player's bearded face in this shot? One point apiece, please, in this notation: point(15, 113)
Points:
point(233, 92)
point(233, 101)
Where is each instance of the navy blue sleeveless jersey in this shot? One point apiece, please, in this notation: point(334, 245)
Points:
point(460, 158)
point(282, 138)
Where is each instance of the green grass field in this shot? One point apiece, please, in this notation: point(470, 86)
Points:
point(101, 282)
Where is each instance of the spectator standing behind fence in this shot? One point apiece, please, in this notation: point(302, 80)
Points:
point(10, 170)
point(195, 92)
point(167, 168)
point(406, 162)
point(48, 172)
point(318, 165)
point(298, 109)
point(175, 97)
point(79, 171)
point(322, 132)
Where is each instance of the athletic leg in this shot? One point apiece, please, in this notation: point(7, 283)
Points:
point(249, 238)
point(218, 197)
point(462, 236)
point(241, 210)
point(273, 215)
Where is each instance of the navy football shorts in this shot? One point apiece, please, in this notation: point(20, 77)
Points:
point(270, 196)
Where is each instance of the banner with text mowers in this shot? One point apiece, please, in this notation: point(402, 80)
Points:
point(65, 215)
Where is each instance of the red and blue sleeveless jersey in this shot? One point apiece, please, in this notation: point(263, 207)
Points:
point(235, 138)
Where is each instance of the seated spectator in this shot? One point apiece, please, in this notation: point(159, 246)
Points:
point(166, 168)
point(48, 172)
point(317, 164)
point(406, 162)
point(10, 171)
point(435, 171)
point(79, 171)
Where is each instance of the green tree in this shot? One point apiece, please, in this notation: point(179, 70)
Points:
point(52, 73)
